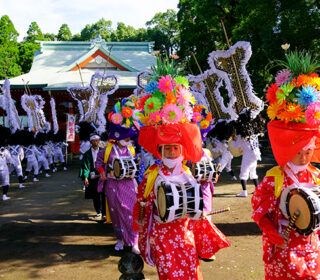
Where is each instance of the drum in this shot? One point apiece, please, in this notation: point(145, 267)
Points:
point(125, 167)
point(306, 201)
point(204, 170)
point(176, 201)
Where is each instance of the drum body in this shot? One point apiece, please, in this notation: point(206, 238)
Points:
point(125, 167)
point(176, 201)
point(306, 201)
point(204, 170)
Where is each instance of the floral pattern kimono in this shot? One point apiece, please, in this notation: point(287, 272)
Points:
point(174, 247)
point(299, 258)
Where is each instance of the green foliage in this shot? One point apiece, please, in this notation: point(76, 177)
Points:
point(49, 37)
point(64, 33)
point(9, 52)
point(26, 51)
point(102, 27)
point(34, 33)
point(265, 24)
point(164, 66)
point(299, 62)
point(163, 29)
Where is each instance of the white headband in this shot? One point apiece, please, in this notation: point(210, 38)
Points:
point(95, 137)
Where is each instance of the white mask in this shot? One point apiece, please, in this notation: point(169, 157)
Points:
point(124, 143)
point(171, 163)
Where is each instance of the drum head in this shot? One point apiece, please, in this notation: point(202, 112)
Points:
point(297, 203)
point(116, 168)
point(162, 202)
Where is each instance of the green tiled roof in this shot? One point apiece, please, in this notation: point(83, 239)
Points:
point(52, 64)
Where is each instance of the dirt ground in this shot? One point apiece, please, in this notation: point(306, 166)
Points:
point(47, 231)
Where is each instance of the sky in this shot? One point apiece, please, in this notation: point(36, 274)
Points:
point(51, 14)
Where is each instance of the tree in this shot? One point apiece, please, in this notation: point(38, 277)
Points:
point(64, 33)
point(34, 33)
point(265, 24)
point(49, 37)
point(164, 30)
point(26, 53)
point(102, 27)
point(124, 33)
point(9, 52)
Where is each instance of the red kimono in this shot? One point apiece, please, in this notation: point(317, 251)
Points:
point(300, 257)
point(175, 247)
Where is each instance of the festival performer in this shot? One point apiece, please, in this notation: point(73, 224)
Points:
point(5, 160)
point(221, 147)
point(173, 246)
point(251, 155)
point(17, 155)
point(294, 136)
point(58, 145)
point(90, 176)
point(31, 155)
point(43, 154)
point(117, 169)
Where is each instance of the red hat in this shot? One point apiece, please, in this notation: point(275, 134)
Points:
point(287, 139)
point(186, 134)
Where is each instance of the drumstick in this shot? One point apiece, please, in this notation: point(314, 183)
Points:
point(291, 224)
point(221, 210)
point(218, 167)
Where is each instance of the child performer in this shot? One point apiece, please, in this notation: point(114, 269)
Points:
point(173, 246)
point(295, 142)
point(120, 192)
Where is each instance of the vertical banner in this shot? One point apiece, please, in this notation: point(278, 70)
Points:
point(70, 127)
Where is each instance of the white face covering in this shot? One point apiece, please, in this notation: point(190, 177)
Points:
point(297, 168)
point(124, 143)
point(171, 163)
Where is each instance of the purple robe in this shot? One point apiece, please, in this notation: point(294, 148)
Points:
point(121, 197)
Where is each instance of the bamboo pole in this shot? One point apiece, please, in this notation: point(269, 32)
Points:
point(233, 63)
point(212, 99)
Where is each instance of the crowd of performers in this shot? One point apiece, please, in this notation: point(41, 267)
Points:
point(25, 153)
point(163, 213)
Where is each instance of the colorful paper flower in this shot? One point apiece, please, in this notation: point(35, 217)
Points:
point(156, 117)
point(307, 95)
point(172, 113)
point(196, 117)
point(153, 104)
point(184, 96)
point(313, 114)
point(292, 113)
point(166, 84)
point(116, 118)
point(271, 95)
point(274, 109)
point(151, 87)
point(127, 112)
point(182, 81)
point(282, 77)
point(204, 124)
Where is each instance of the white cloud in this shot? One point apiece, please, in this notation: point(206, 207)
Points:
point(51, 14)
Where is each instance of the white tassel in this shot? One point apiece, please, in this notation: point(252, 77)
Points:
point(13, 120)
point(54, 116)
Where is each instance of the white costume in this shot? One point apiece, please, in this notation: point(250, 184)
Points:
point(42, 158)
point(17, 155)
point(250, 157)
point(5, 159)
point(226, 156)
point(32, 163)
point(58, 154)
